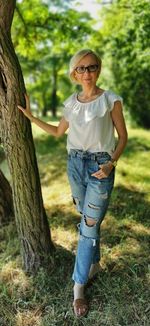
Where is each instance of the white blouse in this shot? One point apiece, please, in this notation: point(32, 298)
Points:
point(90, 124)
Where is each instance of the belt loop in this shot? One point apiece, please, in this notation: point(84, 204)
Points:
point(94, 242)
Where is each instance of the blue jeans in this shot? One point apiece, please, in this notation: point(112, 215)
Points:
point(91, 196)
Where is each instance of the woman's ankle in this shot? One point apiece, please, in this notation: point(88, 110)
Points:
point(78, 290)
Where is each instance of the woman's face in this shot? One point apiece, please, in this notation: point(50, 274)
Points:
point(91, 74)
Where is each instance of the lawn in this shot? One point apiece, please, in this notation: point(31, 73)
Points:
point(120, 295)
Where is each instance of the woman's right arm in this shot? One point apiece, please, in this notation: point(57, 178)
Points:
point(56, 131)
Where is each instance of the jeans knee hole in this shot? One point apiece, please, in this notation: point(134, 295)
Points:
point(75, 200)
point(89, 221)
point(90, 205)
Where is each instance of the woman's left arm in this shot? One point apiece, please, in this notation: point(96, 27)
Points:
point(119, 123)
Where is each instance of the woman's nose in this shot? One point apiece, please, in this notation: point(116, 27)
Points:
point(86, 71)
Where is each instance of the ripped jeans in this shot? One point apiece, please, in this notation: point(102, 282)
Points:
point(91, 196)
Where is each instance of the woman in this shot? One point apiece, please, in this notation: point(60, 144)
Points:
point(91, 116)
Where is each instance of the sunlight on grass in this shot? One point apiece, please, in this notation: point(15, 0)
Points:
point(14, 277)
point(139, 229)
point(58, 193)
point(64, 238)
point(29, 318)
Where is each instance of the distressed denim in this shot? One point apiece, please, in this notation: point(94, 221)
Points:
point(91, 197)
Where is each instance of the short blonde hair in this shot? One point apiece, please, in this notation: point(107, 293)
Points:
point(77, 57)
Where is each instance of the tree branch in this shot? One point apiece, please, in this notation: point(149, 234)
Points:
point(22, 19)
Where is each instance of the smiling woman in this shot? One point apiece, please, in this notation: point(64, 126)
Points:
point(91, 117)
point(77, 68)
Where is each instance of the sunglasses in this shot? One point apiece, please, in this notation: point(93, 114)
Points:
point(82, 69)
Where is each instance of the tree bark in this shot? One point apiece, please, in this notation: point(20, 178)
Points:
point(6, 201)
point(17, 140)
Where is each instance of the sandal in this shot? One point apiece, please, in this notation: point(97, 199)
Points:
point(80, 307)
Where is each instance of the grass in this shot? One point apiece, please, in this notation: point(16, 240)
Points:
point(120, 295)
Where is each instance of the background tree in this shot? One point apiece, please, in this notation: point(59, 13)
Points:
point(126, 43)
point(16, 136)
point(44, 40)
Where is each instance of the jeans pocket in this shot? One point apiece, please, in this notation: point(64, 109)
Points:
point(104, 159)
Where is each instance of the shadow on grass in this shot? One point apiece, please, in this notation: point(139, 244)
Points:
point(122, 281)
point(59, 217)
point(25, 299)
point(125, 227)
point(48, 144)
point(135, 145)
point(59, 272)
point(52, 157)
point(127, 203)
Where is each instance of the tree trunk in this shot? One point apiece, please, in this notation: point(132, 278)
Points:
point(6, 201)
point(16, 136)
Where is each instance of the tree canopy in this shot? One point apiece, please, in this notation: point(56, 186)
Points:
point(46, 37)
point(125, 34)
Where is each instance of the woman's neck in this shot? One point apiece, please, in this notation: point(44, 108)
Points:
point(90, 92)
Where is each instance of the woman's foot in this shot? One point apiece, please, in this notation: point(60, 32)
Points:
point(80, 304)
point(80, 307)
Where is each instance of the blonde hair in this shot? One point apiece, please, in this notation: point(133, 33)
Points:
point(77, 57)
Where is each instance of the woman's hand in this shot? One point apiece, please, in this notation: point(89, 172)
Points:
point(26, 111)
point(104, 171)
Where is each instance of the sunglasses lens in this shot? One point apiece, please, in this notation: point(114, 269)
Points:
point(92, 68)
point(80, 70)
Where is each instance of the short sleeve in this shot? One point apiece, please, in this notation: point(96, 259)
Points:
point(112, 98)
point(66, 113)
point(68, 104)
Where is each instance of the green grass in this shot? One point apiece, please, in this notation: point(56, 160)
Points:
point(120, 295)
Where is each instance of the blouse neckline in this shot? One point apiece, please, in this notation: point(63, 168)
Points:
point(100, 95)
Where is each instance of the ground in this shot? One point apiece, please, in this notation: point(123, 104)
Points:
point(120, 294)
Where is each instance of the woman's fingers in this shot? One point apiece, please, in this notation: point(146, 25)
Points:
point(20, 108)
point(99, 175)
point(27, 101)
point(25, 110)
point(104, 171)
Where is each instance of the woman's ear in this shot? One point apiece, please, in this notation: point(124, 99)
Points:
point(75, 75)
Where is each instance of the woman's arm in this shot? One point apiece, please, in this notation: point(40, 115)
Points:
point(119, 123)
point(56, 131)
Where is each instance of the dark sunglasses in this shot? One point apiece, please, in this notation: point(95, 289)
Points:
point(82, 69)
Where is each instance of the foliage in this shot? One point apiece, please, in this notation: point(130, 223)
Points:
point(45, 38)
point(120, 294)
point(127, 44)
